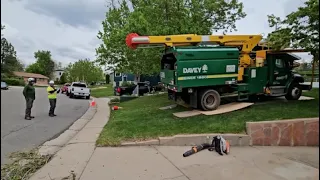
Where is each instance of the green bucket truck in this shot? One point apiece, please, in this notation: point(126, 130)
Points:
point(200, 69)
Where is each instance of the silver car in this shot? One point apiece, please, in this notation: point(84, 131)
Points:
point(4, 85)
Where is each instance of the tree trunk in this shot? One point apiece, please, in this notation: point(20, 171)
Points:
point(315, 59)
point(138, 80)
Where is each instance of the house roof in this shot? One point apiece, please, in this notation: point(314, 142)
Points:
point(24, 74)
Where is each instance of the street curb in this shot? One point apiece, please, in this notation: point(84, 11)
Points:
point(192, 140)
point(52, 146)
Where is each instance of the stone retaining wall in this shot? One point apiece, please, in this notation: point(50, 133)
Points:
point(297, 132)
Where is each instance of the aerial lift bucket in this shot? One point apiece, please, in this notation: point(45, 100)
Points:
point(133, 41)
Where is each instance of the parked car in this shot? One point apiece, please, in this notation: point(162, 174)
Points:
point(4, 85)
point(79, 89)
point(122, 90)
point(64, 88)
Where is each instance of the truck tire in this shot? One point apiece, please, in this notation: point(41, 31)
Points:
point(294, 92)
point(70, 95)
point(209, 100)
point(87, 97)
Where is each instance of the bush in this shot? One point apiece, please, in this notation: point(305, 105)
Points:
point(127, 84)
point(14, 82)
point(114, 101)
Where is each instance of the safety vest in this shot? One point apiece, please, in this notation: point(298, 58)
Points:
point(53, 95)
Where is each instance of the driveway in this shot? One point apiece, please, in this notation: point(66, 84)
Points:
point(18, 134)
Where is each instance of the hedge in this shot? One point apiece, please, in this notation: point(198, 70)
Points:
point(14, 81)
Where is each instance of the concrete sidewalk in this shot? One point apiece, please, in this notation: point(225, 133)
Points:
point(167, 163)
point(76, 153)
point(82, 160)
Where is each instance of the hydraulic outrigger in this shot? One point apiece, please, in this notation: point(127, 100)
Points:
point(260, 69)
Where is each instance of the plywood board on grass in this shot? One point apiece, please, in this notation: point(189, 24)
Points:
point(185, 114)
point(221, 109)
point(227, 108)
point(168, 107)
point(305, 98)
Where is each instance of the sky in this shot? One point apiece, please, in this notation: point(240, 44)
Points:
point(68, 28)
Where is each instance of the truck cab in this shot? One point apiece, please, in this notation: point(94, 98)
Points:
point(282, 81)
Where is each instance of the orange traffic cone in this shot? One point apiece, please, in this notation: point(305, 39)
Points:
point(93, 103)
point(116, 108)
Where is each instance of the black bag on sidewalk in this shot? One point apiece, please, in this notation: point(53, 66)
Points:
point(220, 145)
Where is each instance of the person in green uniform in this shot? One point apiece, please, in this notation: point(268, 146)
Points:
point(52, 96)
point(29, 94)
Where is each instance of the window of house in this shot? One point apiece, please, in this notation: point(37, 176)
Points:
point(117, 74)
point(279, 63)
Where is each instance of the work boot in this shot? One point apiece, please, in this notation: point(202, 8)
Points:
point(27, 118)
point(51, 115)
point(54, 115)
point(31, 117)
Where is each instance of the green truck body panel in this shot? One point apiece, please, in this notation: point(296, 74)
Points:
point(202, 66)
point(206, 53)
point(167, 76)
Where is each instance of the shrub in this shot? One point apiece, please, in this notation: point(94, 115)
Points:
point(14, 82)
point(127, 84)
point(114, 101)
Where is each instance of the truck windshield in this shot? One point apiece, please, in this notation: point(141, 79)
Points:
point(79, 85)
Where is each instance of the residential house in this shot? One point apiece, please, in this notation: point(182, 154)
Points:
point(40, 80)
point(57, 74)
point(119, 78)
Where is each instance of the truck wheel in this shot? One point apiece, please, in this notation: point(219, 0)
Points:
point(87, 97)
point(70, 95)
point(294, 92)
point(209, 100)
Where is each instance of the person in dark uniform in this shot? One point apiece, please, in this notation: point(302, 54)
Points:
point(29, 94)
point(52, 96)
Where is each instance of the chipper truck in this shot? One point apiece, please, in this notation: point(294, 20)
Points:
point(200, 69)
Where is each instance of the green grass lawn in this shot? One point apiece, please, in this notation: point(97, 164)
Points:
point(102, 91)
point(141, 118)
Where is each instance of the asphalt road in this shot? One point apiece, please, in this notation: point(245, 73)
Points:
point(18, 134)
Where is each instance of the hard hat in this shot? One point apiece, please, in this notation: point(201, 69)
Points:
point(30, 79)
point(51, 82)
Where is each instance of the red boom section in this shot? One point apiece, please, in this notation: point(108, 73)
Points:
point(133, 40)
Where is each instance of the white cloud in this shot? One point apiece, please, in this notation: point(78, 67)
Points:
point(68, 28)
point(29, 32)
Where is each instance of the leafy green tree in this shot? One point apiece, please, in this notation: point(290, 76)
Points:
point(159, 17)
point(44, 64)
point(63, 78)
point(300, 29)
point(84, 70)
point(34, 68)
point(9, 60)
